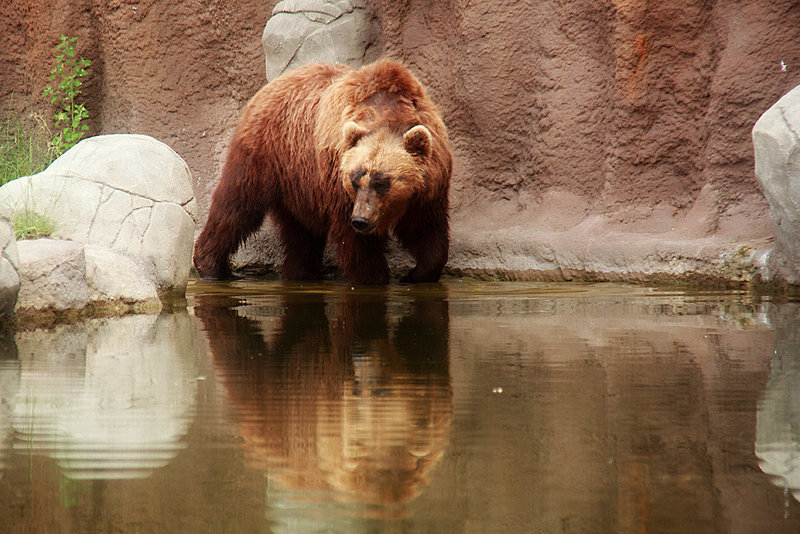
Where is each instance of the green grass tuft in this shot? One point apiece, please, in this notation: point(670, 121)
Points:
point(29, 224)
point(25, 148)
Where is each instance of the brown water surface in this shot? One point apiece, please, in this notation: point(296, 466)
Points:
point(456, 407)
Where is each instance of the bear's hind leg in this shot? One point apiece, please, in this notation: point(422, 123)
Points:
point(303, 249)
point(236, 212)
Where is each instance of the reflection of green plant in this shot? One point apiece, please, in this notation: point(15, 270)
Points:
point(63, 90)
point(68, 491)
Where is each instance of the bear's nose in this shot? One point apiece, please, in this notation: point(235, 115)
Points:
point(360, 224)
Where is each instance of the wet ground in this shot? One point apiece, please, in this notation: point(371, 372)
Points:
point(460, 407)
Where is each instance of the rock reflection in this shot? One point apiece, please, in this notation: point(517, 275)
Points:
point(778, 417)
point(344, 400)
point(109, 398)
point(9, 382)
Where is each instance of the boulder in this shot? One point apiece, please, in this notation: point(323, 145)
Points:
point(130, 194)
point(9, 264)
point(59, 275)
point(777, 163)
point(53, 275)
point(115, 278)
point(310, 31)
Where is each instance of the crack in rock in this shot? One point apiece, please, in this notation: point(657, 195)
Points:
point(122, 224)
point(788, 124)
point(103, 185)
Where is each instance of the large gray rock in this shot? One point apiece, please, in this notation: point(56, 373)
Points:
point(53, 276)
point(9, 264)
point(777, 155)
point(60, 275)
point(130, 194)
point(115, 278)
point(311, 31)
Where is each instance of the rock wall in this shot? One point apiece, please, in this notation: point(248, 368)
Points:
point(588, 135)
point(632, 109)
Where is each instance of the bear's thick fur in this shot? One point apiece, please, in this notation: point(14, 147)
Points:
point(336, 154)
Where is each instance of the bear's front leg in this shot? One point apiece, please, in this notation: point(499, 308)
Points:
point(428, 268)
point(426, 237)
point(362, 258)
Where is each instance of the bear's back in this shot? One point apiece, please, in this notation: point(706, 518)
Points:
point(283, 112)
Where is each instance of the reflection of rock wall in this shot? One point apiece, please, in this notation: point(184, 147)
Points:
point(614, 413)
point(9, 383)
point(337, 400)
point(110, 398)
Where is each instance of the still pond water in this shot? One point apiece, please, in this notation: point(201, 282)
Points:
point(459, 407)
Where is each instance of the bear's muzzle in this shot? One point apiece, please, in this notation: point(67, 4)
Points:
point(364, 218)
point(359, 224)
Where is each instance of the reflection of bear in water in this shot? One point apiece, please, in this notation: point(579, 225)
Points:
point(338, 396)
point(339, 155)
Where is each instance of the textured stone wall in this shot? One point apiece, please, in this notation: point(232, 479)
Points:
point(628, 104)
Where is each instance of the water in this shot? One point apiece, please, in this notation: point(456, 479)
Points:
point(460, 407)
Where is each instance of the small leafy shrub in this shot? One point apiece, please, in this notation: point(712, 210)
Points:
point(63, 90)
point(28, 147)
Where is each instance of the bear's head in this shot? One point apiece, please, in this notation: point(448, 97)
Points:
point(382, 171)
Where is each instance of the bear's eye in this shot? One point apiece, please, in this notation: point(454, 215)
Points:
point(381, 183)
point(356, 175)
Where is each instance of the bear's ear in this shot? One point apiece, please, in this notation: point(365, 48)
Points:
point(351, 133)
point(418, 141)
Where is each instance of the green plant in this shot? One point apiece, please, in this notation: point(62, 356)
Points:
point(24, 147)
point(29, 224)
point(63, 90)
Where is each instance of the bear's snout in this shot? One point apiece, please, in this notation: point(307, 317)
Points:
point(365, 215)
point(359, 224)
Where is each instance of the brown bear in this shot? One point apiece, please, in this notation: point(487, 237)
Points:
point(340, 155)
